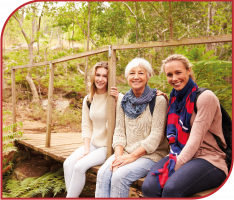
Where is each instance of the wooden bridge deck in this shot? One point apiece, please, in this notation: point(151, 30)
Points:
point(63, 144)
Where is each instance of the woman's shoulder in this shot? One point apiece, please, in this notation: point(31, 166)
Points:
point(85, 98)
point(121, 96)
point(161, 99)
point(207, 95)
point(207, 98)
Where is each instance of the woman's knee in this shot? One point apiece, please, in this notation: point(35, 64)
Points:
point(150, 187)
point(66, 164)
point(171, 190)
point(79, 168)
point(146, 189)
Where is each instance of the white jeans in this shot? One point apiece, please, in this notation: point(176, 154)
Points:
point(74, 172)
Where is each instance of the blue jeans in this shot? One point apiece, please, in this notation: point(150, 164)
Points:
point(195, 176)
point(117, 184)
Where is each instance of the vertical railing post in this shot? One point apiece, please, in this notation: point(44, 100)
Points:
point(13, 98)
point(111, 100)
point(49, 106)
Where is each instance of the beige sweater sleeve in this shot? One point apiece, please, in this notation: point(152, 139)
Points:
point(156, 136)
point(207, 104)
point(87, 124)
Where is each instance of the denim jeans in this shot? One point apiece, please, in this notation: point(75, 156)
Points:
point(117, 184)
point(195, 176)
point(74, 171)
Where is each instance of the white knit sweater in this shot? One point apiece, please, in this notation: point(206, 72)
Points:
point(94, 120)
point(146, 131)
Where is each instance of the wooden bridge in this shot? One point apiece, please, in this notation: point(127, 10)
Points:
point(60, 145)
point(63, 144)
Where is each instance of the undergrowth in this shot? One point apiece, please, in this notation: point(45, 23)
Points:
point(31, 187)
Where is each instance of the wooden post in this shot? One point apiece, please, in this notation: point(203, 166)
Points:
point(13, 98)
point(49, 106)
point(111, 100)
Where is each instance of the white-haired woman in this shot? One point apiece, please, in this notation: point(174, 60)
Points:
point(94, 131)
point(139, 140)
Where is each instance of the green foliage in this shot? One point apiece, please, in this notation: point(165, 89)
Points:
point(31, 187)
point(212, 74)
point(8, 138)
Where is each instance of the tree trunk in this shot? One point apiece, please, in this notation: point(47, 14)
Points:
point(87, 58)
point(171, 22)
point(30, 48)
point(209, 22)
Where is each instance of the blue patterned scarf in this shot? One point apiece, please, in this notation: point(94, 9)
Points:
point(134, 106)
point(179, 113)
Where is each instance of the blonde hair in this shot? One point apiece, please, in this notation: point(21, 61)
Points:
point(92, 86)
point(182, 59)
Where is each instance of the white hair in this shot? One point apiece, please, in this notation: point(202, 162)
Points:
point(139, 62)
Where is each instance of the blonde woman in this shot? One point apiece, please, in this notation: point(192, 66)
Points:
point(94, 131)
point(195, 163)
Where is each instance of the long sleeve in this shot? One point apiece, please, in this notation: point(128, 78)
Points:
point(87, 124)
point(157, 134)
point(207, 108)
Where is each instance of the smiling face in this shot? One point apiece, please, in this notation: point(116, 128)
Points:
point(177, 74)
point(137, 79)
point(101, 80)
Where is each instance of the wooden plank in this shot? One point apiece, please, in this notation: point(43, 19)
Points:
point(204, 193)
point(49, 106)
point(111, 102)
point(33, 65)
point(13, 97)
point(186, 41)
point(80, 55)
point(64, 59)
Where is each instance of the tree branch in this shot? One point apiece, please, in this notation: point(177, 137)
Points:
point(158, 12)
point(21, 27)
point(129, 9)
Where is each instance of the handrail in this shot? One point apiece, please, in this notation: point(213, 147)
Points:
point(187, 41)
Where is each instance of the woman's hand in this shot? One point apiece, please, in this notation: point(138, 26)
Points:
point(83, 155)
point(114, 92)
point(120, 161)
point(158, 93)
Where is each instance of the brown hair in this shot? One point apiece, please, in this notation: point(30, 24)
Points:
point(92, 86)
point(181, 58)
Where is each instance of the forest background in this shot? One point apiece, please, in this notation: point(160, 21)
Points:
point(48, 30)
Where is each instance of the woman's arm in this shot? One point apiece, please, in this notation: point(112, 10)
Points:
point(207, 105)
point(121, 160)
point(157, 134)
point(87, 147)
point(87, 124)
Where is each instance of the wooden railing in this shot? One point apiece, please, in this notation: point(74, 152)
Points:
point(111, 77)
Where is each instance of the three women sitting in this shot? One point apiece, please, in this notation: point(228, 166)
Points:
point(195, 162)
